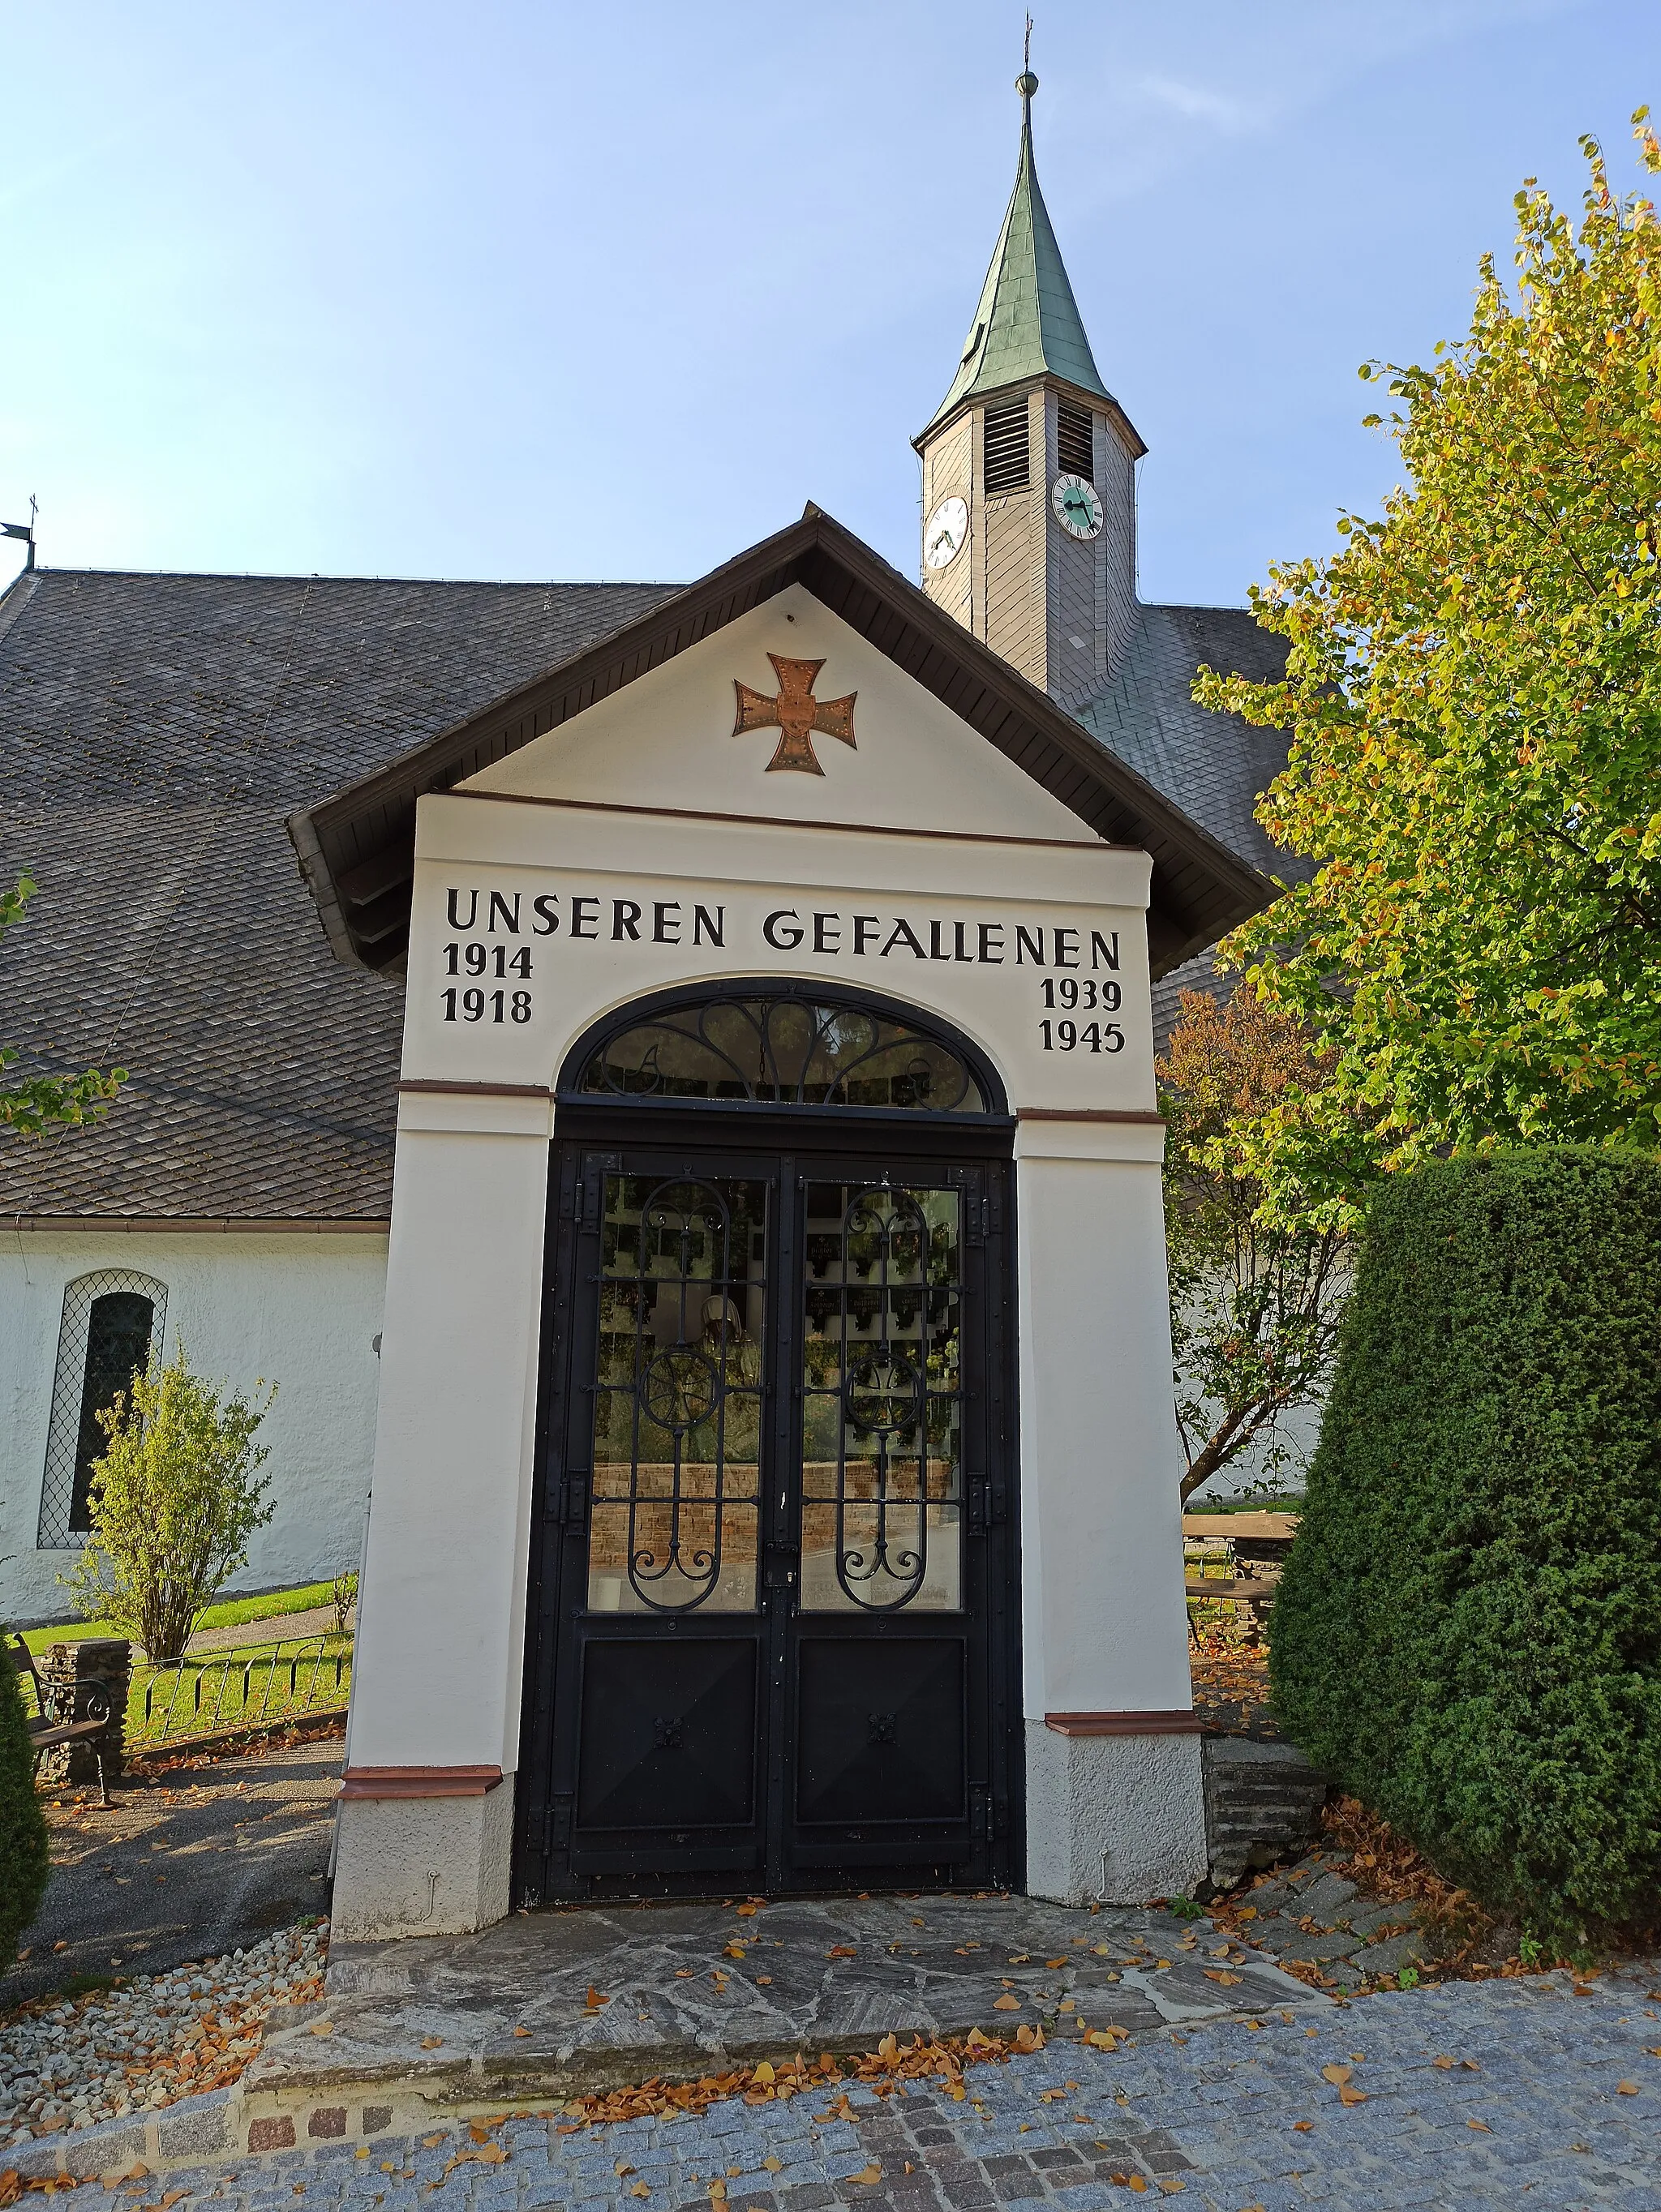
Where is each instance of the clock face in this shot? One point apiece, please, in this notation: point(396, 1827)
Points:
point(948, 526)
point(1078, 507)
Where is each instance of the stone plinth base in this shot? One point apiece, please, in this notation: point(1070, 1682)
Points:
point(1262, 1802)
point(423, 1866)
point(1113, 1819)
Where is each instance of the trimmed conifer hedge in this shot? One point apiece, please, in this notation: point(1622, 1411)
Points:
point(1467, 1636)
point(23, 1848)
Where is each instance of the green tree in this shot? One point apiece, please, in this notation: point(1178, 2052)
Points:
point(23, 1848)
point(1255, 1302)
point(175, 1498)
point(1473, 695)
point(43, 1101)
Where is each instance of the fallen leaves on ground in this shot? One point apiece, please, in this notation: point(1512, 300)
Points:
point(1231, 1688)
point(942, 2058)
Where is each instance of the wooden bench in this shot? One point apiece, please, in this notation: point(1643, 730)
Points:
point(88, 1715)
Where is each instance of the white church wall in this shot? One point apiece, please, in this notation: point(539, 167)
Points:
point(302, 1310)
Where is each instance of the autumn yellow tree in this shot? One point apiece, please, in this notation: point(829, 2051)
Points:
point(1473, 699)
point(1255, 1299)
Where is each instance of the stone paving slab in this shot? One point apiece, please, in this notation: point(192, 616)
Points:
point(585, 1998)
point(1506, 2094)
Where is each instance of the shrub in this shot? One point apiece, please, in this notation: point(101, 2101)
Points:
point(175, 1501)
point(1467, 1636)
point(23, 1851)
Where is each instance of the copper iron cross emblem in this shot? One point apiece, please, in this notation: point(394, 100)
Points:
point(796, 713)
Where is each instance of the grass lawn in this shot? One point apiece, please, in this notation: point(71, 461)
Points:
point(232, 1613)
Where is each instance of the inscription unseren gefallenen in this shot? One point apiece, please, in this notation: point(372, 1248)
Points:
point(492, 965)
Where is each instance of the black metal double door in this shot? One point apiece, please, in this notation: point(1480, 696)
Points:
point(772, 1613)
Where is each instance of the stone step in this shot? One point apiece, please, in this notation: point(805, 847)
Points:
point(1262, 1803)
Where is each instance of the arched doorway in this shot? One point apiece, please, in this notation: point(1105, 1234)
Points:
point(772, 1613)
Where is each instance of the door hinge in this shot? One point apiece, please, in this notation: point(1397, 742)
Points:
point(556, 1824)
point(988, 1506)
point(983, 1815)
point(573, 1496)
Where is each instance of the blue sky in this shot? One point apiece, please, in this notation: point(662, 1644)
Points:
point(517, 290)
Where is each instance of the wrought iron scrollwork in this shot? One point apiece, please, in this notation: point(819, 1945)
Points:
point(677, 1398)
point(784, 1051)
point(881, 1388)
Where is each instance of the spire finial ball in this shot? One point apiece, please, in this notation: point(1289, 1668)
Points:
point(1026, 84)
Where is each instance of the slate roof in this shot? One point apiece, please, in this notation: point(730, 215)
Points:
point(1215, 766)
point(1026, 323)
point(157, 731)
point(151, 724)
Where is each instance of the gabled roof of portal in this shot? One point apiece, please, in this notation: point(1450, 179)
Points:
point(357, 848)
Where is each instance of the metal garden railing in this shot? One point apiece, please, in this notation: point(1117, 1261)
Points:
point(247, 1688)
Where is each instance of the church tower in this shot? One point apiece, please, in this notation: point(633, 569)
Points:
point(1029, 489)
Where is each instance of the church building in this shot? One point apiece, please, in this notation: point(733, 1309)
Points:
point(700, 1187)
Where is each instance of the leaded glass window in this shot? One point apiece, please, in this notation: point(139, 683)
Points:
point(111, 1320)
point(788, 1050)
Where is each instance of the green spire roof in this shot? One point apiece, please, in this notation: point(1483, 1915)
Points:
point(1027, 323)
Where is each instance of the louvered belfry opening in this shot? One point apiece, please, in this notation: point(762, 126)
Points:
point(1006, 465)
point(1074, 446)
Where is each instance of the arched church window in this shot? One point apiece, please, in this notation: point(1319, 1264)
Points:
point(111, 1320)
point(754, 1047)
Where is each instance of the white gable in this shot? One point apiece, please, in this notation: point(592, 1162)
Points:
point(666, 741)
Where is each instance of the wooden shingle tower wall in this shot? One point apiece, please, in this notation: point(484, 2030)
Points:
point(1060, 608)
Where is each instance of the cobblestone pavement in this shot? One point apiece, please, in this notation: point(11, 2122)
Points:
point(1500, 2093)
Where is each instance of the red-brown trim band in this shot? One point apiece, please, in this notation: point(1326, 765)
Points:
point(434, 1086)
point(1088, 1114)
point(420, 1781)
point(1171, 1723)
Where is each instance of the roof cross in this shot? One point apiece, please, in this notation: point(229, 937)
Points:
point(796, 714)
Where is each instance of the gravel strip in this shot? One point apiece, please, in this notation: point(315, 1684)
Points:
point(66, 2062)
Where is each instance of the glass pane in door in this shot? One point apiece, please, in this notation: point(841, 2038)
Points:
point(881, 1474)
point(678, 1395)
